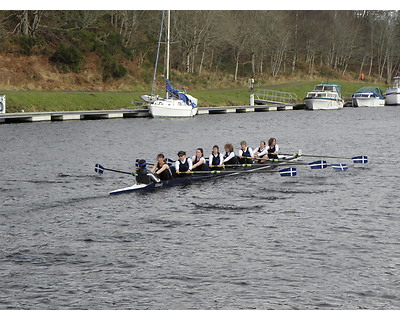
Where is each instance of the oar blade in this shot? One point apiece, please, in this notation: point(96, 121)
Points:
point(169, 161)
point(339, 167)
point(360, 159)
point(288, 172)
point(318, 164)
point(99, 168)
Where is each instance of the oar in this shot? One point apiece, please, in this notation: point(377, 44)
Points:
point(100, 169)
point(357, 159)
point(289, 172)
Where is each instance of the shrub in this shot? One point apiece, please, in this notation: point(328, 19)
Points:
point(26, 44)
point(67, 58)
point(112, 69)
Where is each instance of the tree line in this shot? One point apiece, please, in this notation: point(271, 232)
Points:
point(241, 43)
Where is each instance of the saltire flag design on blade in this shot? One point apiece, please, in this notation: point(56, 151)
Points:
point(339, 167)
point(98, 168)
point(360, 159)
point(318, 164)
point(289, 172)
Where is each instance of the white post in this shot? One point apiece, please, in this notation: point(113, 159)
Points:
point(2, 103)
point(252, 92)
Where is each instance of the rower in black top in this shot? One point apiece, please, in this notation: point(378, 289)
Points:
point(198, 161)
point(161, 168)
point(273, 149)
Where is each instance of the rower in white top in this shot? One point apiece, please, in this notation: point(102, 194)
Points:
point(261, 152)
point(246, 153)
point(229, 156)
point(184, 164)
point(216, 158)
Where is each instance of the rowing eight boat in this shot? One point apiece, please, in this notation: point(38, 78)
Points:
point(206, 176)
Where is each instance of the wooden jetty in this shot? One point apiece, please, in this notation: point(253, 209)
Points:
point(137, 113)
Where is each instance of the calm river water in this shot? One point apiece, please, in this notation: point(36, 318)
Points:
point(321, 240)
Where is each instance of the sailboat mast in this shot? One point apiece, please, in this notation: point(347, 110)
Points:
point(168, 41)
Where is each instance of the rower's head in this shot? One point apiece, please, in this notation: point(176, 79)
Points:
point(271, 142)
point(182, 155)
point(215, 149)
point(228, 147)
point(142, 163)
point(160, 158)
point(243, 145)
point(199, 152)
point(262, 144)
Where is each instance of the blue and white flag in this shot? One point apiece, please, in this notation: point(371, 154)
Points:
point(179, 95)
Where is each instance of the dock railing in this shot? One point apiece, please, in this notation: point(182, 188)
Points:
point(269, 96)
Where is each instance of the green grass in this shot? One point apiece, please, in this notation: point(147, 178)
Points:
point(59, 101)
point(72, 101)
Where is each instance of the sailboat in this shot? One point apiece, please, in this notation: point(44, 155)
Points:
point(176, 104)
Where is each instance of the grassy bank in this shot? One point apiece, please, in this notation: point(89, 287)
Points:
point(71, 101)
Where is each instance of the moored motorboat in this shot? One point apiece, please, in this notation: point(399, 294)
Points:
point(392, 95)
point(325, 96)
point(368, 97)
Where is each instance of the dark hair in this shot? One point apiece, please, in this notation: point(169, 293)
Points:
point(160, 155)
point(181, 153)
point(201, 150)
point(270, 141)
point(216, 147)
point(142, 163)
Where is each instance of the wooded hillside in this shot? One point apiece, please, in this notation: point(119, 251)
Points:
point(99, 47)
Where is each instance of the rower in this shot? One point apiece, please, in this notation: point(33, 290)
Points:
point(261, 152)
point(216, 158)
point(198, 161)
point(161, 168)
point(273, 149)
point(245, 153)
point(183, 164)
point(143, 175)
point(229, 156)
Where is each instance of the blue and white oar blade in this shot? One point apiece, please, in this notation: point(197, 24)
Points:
point(339, 167)
point(98, 168)
point(360, 159)
point(321, 164)
point(289, 172)
point(170, 162)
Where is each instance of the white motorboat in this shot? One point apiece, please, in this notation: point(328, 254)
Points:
point(325, 96)
point(392, 96)
point(177, 103)
point(368, 97)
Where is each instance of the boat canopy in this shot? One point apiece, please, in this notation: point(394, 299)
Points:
point(377, 92)
point(180, 95)
point(330, 86)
